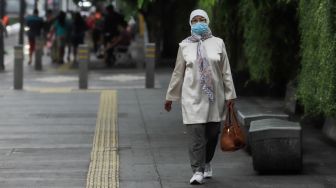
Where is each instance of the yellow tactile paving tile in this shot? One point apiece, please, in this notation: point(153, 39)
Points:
point(104, 167)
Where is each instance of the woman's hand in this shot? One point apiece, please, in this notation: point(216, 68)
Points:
point(167, 105)
point(230, 103)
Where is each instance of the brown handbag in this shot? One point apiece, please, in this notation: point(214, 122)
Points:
point(232, 137)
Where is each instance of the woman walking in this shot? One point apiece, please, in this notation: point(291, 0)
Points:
point(202, 81)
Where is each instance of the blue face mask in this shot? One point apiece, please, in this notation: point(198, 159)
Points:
point(200, 28)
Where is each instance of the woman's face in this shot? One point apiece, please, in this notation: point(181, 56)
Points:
point(198, 19)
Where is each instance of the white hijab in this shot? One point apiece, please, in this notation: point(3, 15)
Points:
point(199, 12)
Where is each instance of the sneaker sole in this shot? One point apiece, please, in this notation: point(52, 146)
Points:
point(196, 183)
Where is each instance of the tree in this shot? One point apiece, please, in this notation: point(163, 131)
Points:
point(317, 80)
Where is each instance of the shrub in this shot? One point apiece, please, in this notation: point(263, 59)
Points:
point(317, 80)
point(270, 40)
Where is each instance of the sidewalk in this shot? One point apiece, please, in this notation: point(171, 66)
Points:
point(46, 140)
point(153, 152)
point(47, 135)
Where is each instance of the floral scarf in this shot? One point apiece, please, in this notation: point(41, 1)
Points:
point(203, 64)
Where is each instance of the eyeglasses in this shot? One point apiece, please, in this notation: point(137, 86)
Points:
point(195, 20)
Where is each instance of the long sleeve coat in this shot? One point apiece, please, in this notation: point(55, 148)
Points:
point(185, 82)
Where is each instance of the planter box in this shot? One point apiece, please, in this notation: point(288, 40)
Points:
point(276, 146)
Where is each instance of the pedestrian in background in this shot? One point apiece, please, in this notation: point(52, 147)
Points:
point(35, 25)
point(112, 21)
point(5, 22)
point(59, 28)
point(49, 21)
point(95, 23)
point(48, 35)
point(69, 26)
point(202, 81)
point(78, 33)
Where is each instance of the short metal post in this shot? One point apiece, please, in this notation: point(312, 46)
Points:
point(18, 67)
point(150, 64)
point(83, 60)
point(38, 53)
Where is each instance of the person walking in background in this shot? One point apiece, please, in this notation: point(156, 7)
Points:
point(59, 28)
point(121, 42)
point(5, 22)
point(48, 23)
point(95, 22)
point(78, 33)
point(35, 25)
point(69, 21)
point(112, 21)
point(202, 81)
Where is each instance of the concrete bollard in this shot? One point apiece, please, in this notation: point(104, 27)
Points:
point(18, 67)
point(38, 53)
point(83, 60)
point(150, 65)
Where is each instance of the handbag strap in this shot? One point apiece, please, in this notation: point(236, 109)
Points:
point(228, 118)
point(233, 115)
point(231, 119)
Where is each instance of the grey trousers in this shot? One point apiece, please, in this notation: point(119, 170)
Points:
point(203, 140)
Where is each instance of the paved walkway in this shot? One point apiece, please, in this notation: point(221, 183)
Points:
point(47, 138)
point(53, 135)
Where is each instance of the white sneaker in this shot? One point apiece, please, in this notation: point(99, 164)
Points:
point(207, 171)
point(197, 178)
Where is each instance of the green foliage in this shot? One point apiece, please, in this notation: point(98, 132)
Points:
point(257, 37)
point(207, 5)
point(270, 39)
point(144, 3)
point(226, 24)
point(317, 81)
point(128, 8)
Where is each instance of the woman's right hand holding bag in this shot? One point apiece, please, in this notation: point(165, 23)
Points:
point(233, 137)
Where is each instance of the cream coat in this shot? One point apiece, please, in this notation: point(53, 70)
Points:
point(185, 86)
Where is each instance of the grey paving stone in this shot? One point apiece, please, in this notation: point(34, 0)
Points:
point(46, 139)
point(141, 183)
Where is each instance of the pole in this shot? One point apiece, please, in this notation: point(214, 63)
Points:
point(2, 30)
point(38, 53)
point(150, 65)
point(2, 8)
point(22, 21)
point(18, 67)
point(2, 64)
point(83, 58)
point(35, 4)
point(45, 5)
